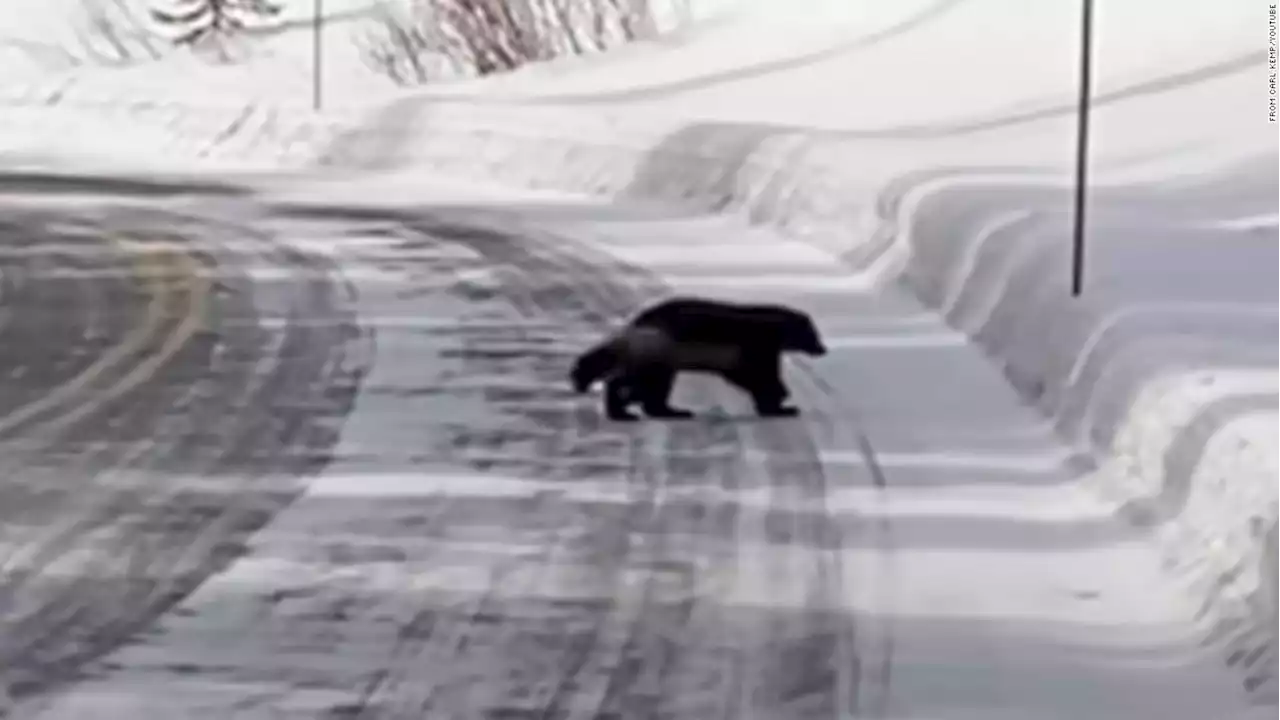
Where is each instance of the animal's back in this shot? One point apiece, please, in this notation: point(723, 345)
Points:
point(647, 345)
point(714, 322)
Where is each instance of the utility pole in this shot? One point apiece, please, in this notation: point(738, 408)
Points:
point(1082, 146)
point(317, 55)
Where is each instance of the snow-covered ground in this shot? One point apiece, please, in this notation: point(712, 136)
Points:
point(913, 158)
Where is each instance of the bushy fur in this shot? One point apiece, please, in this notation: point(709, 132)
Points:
point(741, 343)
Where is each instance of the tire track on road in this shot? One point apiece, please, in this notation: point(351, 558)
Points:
point(45, 610)
point(525, 288)
point(631, 664)
point(38, 290)
point(617, 586)
point(629, 657)
point(136, 342)
point(273, 441)
point(40, 451)
point(171, 343)
point(481, 623)
point(158, 534)
point(793, 466)
point(869, 644)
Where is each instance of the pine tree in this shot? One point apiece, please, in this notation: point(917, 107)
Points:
point(198, 19)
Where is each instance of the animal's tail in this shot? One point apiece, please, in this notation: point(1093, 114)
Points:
point(594, 364)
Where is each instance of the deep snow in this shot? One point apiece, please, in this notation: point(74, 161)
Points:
point(916, 149)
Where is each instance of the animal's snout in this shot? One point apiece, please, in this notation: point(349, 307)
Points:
point(579, 379)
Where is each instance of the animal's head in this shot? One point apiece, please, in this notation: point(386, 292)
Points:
point(592, 365)
point(800, 334)
point(581, 377)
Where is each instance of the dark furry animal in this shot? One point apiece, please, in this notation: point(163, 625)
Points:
point(739, 342)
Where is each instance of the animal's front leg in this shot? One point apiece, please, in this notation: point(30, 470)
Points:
point(762, 379)
point(653, 390)
point(618, 396)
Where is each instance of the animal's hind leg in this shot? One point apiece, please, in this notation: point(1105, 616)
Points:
point(653, 390)
point(618, 396)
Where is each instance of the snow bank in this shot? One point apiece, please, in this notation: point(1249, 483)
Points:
point(1165, 368)
point(75, 122)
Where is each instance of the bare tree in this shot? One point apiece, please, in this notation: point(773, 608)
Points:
point(111, 33)
point(199, 21)
point(482, 37)
point(395, 47)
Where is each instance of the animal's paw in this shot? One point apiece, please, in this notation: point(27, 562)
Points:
point(668, 413)
point(579, 383)
point(622, 416)
point(782, 411)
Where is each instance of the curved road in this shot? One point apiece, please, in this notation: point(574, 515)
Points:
point(273, 458)
point(152, 424)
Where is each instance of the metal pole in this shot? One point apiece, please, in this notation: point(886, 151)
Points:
point(1082, 145)
point(317, 55)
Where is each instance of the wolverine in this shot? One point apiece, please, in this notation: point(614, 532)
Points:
point(742, 343)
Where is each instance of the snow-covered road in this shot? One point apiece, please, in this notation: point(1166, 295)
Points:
point(479, 544)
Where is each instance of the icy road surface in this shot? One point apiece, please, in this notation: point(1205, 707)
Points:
point(267, 458)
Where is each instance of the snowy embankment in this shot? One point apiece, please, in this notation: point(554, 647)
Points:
point(1164, 371)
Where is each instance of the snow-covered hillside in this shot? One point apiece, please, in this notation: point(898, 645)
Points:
point(922, 146)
